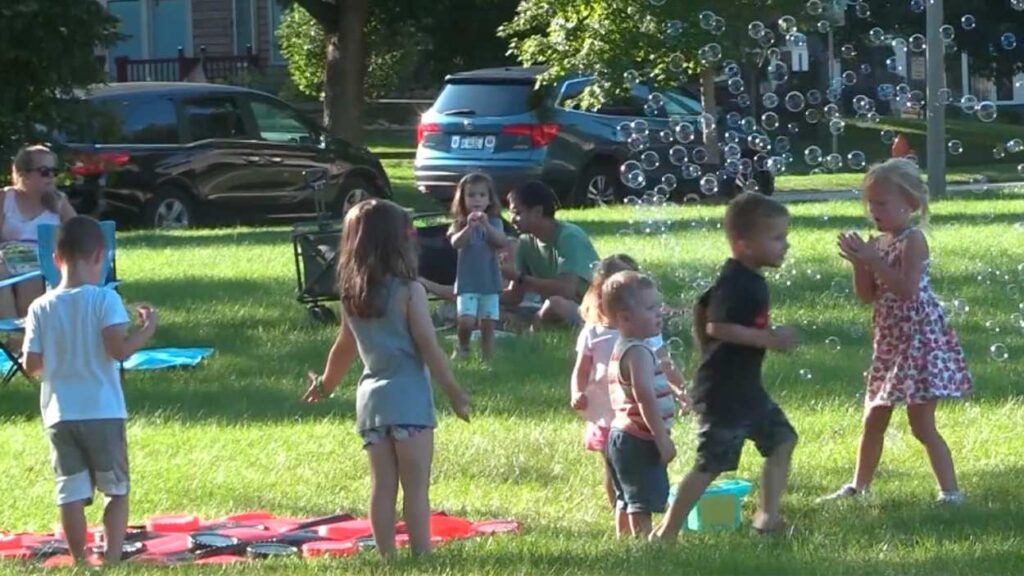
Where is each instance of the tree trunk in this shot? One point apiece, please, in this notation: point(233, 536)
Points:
point(345, 71)
point(707, 96)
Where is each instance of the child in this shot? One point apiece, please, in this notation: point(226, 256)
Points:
point(732, 328)
point(589, 384)
point(639, 447)
point(917, 359)
point(75, 335)
point(478, 235)
point(385, 319)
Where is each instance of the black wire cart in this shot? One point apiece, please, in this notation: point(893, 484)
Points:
point(316, 244)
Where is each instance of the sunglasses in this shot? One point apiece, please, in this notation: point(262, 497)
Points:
point(46, 171)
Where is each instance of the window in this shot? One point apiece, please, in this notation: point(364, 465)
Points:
point(214, 118)
point(170, 27)
point(244, 21)
point(279, 124)
point(275, 21)
point(677, 104)
point(151, 121)
point(572, 89)
point(632, 105)
point(120, 121)
point(486, 99)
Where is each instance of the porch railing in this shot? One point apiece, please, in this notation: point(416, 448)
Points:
point(181, 67)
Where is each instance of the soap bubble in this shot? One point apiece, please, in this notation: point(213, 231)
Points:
point(677, 155)
point(987, 111)
point(657, 2)
point(862, 10)
point(812, 115)
point(787, 24)
point(770, 121)
point(886, 92)
point(776, 165)
point(796, 39)
point(778, 72)
point(691, 171)
point(814, 97)
point(673, 28)
point(812, 155)
point(699, 155)
point(1008, 41)
point(736, 85)
point(956, 147)
point(770, 100)
point(840, 287)
point(782, 144)
point(888, 136)
point(1017, 5)
point(805, 374)
point(848, 51)
point(968, 22)
point(947, 32)
point(1015, 145)
point(865, 69)
point(834, 161)
point(666, 136)
point(631, 77)
point(1020, 169)
point(685, 133)
point(714, 52)
point(718, 26)
point(669, 181)
point(755, 29)
point(849, 78)
point(945, 96)
point(795, 101)
point(709, 184)
point(650, 160)
point(917, 43)
point(856, 160)
point(969, 104)
point(732, 152)
point(824, 26)
point(676, 62)
point(892, 64)
point(833, 344)
point(876, 35)
point(707, 19)
point(793, 127)
point(813, 7)
point(998, 352)
point(917, 6)
point(999, 152)
point(836, 126)
point(743, 100)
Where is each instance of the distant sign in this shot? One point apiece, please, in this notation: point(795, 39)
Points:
point(918, 68)
point(801, 60)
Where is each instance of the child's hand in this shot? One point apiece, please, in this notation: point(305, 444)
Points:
point(854, 249)
point(315, 392)
point(667, 451)
point(579, 401)
point(459, 401)
point(147, 314)
point(476, 218)
point(784, 339)
point(684, 402)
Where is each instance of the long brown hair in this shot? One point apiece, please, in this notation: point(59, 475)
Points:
point(25, 161)
point(377, 242)
point(591, 309)
point(460, 214)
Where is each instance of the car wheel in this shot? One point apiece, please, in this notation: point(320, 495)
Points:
point(169, 208)
point(598, 185)
point(353, 191)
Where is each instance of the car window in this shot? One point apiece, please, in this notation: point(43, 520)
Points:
point(631, 105)
point(677, 104)
point(115, 120)
point(486, 99)
point(276, 123)
point(213, 118)
point(572, 89)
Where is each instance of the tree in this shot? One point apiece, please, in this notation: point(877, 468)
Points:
point(616, 40)
point(47, 50)
point(358, 46)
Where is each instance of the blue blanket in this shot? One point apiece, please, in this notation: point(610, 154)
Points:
point(152, 358)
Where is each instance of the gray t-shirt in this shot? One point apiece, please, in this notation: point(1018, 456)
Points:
point(394, 389)
point(478, 271)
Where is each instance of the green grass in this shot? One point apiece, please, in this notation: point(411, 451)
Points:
point(232, 435)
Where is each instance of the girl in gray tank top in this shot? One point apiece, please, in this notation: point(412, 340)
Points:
point(386, 320)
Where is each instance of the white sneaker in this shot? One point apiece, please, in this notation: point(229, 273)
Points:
point(951, 498)
point(846, 492)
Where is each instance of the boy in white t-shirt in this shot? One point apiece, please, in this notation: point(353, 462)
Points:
point(75, 335)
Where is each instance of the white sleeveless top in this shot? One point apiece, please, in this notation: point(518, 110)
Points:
point(16, 227)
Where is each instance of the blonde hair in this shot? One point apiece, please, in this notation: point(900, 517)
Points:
point(25, 161)
point(621, 292)
point(590, 308)
point(905, 177)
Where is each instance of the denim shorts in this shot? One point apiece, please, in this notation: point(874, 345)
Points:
point(719, 443)
point(639, 477)
point(482, 306)
point(396, 433)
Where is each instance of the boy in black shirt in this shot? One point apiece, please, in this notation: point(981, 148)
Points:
point(731, 326)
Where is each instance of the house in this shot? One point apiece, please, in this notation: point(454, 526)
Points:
point(235, 32)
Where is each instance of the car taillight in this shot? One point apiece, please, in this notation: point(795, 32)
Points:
point(423, 129)
point(99, 164)
point(540, 134)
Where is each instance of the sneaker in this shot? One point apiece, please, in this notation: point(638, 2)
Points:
point(846, 492)
point(952, 498)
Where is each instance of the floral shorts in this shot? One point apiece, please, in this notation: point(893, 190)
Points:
point(396, 433)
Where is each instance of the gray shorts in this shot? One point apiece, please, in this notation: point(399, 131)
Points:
point(89, 455)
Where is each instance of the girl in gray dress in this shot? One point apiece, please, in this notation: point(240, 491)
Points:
point(385, 319)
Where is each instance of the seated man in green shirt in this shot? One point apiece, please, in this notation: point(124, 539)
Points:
point(553, 261)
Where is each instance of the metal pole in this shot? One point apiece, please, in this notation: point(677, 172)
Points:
point(834, 70)
point(936, 109)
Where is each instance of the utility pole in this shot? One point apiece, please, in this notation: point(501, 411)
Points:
point(936, 110)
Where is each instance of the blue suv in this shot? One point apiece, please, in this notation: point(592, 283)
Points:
point(494, 120)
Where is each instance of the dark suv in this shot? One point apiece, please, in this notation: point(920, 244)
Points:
point(169, 154)
point(496, 121)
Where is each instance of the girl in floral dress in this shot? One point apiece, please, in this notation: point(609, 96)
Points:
point(917, 359)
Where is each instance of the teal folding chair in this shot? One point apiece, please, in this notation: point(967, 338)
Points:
point(50, 273)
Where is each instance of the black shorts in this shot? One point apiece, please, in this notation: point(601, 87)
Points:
point(640, 479)
point(720, 442)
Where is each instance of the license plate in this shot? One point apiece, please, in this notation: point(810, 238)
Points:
point(473, 142)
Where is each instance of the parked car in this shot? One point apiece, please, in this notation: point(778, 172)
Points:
point(495, 120)
point(171, 154)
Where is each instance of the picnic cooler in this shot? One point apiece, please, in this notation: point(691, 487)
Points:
point(719, 508)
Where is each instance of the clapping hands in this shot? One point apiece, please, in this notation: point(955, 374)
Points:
point(855, 250)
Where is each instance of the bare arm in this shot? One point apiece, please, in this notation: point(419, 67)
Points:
point(120, 345)
point(639, 368)
point(580, 380)
point(34, 364)
point(422, 330)
point(564, 285)
point(864, 283)
point(495, 236)
point(459, 238)
point(700, 327)
point(64, 208)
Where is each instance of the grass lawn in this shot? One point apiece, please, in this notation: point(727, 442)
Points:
point(232, 436)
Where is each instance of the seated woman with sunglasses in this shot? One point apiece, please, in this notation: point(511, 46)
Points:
point(32, 200)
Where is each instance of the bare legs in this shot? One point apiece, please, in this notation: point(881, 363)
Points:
point(405, 462)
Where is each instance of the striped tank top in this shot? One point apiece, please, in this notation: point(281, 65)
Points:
point(624, 402)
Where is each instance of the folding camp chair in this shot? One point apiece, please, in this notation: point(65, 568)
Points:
point(50, 273)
